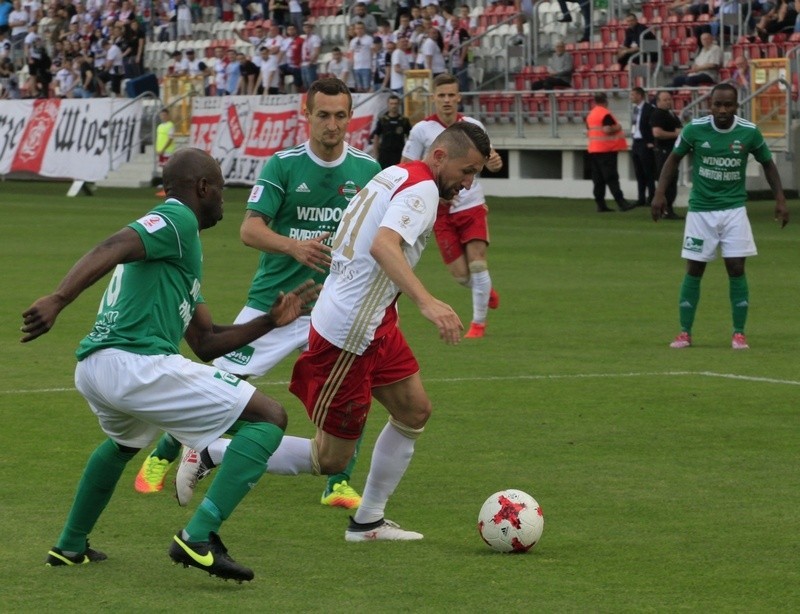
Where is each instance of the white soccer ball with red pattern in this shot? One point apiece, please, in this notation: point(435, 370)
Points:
point(511, 521)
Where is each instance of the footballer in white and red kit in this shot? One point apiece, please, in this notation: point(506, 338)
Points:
point(461, 228)
point(355, 348)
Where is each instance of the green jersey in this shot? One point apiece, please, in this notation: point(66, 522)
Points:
point(719, 161)
point(304, 197)
point(148, 304)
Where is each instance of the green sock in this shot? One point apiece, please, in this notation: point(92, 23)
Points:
point(245, 459)
point(740, 295)
point(348, 471)
point(95, 488)
point(687, 303)
point(167, 448)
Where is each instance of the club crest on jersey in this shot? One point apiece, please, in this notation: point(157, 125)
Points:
point(415, 204)
point(152, 222)
point(349, 189)
point(737, 147)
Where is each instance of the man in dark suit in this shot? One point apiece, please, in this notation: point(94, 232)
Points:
point(642, 149)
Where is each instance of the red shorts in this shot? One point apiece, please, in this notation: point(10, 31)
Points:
point(336, 386)
point(453, 230)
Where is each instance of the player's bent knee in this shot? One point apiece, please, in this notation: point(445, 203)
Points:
point(405, 430)
point(478, 266)
point(461, 280)
point(262, 408)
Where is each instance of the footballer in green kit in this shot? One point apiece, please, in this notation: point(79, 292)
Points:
point(717, 218)
point(136, 382)
point(292, 215)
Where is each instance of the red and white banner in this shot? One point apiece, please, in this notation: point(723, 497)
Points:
point(242, 132)
point(71, 139)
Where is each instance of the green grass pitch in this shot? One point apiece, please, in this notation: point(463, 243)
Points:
point(669, 479)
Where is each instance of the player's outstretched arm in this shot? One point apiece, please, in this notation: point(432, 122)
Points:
point(774, 180)
point(209, 341)
point(123, 246)
point(387, 251)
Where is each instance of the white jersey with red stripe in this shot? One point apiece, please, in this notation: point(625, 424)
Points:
point(357, 303)
point(419, 142)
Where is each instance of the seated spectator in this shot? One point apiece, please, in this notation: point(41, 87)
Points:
point(741, 73)
point(249, 73)
point(174, 64)
point(559, 70)
point(88, 85)
point(705, 69)
point(690, 7)
point(190, 65)
point(781, 18)
point(630, 46)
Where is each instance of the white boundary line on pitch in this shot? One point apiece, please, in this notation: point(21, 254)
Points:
point(501, 378)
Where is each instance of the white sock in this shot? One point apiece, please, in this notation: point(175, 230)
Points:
point(390, 459)
point(481, 287)
point(292, 457)
point(217, 450)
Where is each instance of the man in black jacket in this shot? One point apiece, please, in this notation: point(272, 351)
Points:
point(642, 152)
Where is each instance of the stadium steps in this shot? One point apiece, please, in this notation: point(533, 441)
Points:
point(138, 173)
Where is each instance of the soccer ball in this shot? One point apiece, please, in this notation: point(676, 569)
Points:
point(511, 521)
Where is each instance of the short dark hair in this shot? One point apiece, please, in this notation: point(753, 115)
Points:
point(444, 79)
point(462, 136)
point(393, 97)
point(638, 90)
point(330, 86)
point(601, 98)
point(720, 87)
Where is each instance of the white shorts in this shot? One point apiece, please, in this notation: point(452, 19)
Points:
point(136, 397)
point(260, 356)
point(729, 229)
point(183, 27)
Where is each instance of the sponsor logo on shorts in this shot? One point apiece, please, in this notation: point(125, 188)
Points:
point(693, 244)
point(228, 378)
point(241, 356)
